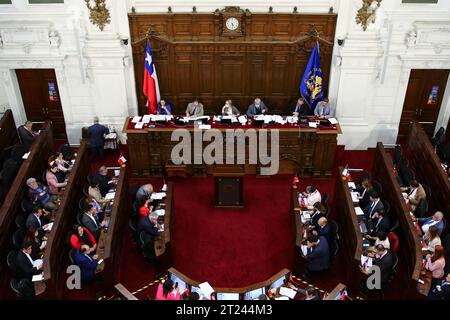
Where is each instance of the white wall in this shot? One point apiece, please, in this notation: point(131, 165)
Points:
point(368, 79)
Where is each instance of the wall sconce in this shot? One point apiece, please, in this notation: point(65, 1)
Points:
point(367, 13)
point(99, 14)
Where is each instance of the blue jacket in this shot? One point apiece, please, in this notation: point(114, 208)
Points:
point(253, 111)
point(319, 257)
point(440, 225)
point(96, 134)
point(87, 266)
point(147, 226)
point(168, 107)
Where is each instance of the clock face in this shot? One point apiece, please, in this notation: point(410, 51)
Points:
point(232, 24)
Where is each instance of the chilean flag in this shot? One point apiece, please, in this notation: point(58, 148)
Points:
point(151, 86)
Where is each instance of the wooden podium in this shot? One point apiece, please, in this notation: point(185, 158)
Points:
point(229, 189)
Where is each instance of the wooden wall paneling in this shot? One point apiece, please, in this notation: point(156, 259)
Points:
point(8, 134)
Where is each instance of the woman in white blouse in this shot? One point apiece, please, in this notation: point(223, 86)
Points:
point(432, 239)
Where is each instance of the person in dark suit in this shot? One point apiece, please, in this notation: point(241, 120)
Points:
point(442, 290)
point(374, 205)
point(27, 135)
point(96, 134)
point(149, 224)
point(318, 212)
point(164, 107)
point(91, 221)
point(87, 262)
point(384, 259)
point(299, 108)
point(24, 263)
point(104, 182)
point(310, 293)
point(258, 107)
point(325, 230)
point(37, 221)
point(318, 255)
point(381, 222)
point(365, 190)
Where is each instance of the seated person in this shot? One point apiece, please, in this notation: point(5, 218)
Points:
point(87, 262)
point(365, 192)
point(96, 205)
point(312, 196)
point(442, 290)
point(374, 205)
point(324, 229)
point(318, 255)
point(318, 213)
point(38, 243)
point(105, 183)
point(168, 290)
point(385, 261)
point(40, 194)
point(27, 135)
point(82, 236)
point(52, 180)
point(25, 267)
point(91, 221)
point(144, 192)
point(150, 226)
point(145, 208)
point(63, 165)
point(432, 238)
point(434, 220)
point(324, 109)
point(229, 109)
point(194, 109)
point(94, 192)
point(381, 222)
point(299, 108)
point(257, 107)
point(415, 193)
point(436, 264)
point(381, 238)
point(310, 293)
point(164, 107)
point(38, 220)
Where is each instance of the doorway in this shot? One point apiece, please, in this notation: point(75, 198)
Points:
point(41, 100)
point(423, 100)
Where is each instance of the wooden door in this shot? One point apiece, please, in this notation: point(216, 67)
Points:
point(41, 99)
point(423, 100)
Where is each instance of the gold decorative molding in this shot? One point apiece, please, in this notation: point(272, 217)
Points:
point(99, 14)
point(367, 13)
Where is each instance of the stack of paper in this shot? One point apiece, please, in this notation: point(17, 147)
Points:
point(204, 126)
point(26, 155)
point(38, 277)
point(37, 263)
point(157, 195)
point(351, 185)
point(160, 212)
point(305, 216)
point(288, 292)
point(355, 196)
point(48, 226)
point(242, 120)
point(206, 289)
point(312, 124)
point(139, 125)
point(359, 211)
point(282, 298)
point(136, 119)
point(110, 195)
point(146, 118)
point(333, 120)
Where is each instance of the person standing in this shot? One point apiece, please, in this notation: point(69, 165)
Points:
point(96, 134)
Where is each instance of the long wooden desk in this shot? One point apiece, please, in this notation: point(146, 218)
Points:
point(113, 240)
point(162, 241)
point(36, 163)
point(309, 152)
point(411, 248)
point(57, 248)
point(428, 167)
point(8, 134)
point(350, 233)
point(241, 290)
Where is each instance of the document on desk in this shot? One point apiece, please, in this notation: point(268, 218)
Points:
point(282, 298)
point(288, 292)
point(355, 196)
point(37, 263)
point(139, 125)
point(110, 195)
point(49, 226)
point(160, 212)
point(146, 118)
point(37, 277)
point(242, 120)
point(26, 155)
point(333, 120)
point(204, 126)
point(157, 195)
point(359, 211)
point(312, 124)
point(351, 185)
point(136, 119)
point(305, 216)
point(206, 289)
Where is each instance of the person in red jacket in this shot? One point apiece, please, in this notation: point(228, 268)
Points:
point(145, 208)
point(82, 236)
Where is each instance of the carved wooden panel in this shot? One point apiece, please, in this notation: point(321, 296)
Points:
point(194, 59)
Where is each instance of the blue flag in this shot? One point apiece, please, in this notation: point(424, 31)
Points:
point(311, 86)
